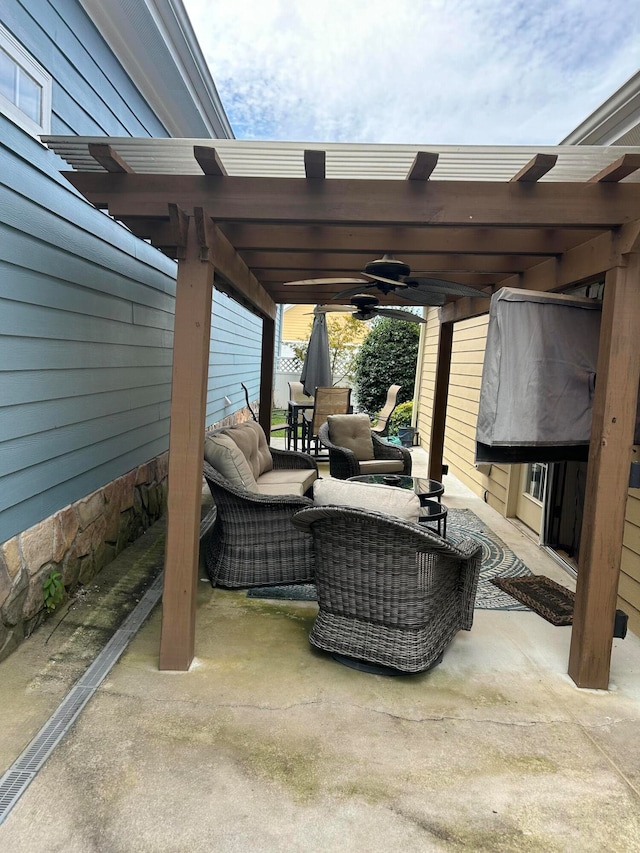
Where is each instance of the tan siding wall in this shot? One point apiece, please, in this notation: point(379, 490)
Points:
point(629, 589)
point(427, 375)
point(296, 323)
point(298, 319)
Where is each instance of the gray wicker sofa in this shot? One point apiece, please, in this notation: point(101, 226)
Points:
point(256, 490)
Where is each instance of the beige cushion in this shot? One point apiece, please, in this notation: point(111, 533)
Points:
point(382, 466)
point(224, 455)
point(352, 432)
point(297, 480)
point(250, 438)
point(400, 503)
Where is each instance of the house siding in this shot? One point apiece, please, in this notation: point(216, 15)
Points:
point(86, 309)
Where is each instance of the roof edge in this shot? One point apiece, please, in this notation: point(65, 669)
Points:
point(612, 119)
point(115, 22)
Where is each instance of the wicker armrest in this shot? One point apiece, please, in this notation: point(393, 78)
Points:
point(383, 450)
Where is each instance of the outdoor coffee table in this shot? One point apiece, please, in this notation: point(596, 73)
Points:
point(425, 488)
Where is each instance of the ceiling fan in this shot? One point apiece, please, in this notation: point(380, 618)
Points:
point(390, 275)
point(366, 305)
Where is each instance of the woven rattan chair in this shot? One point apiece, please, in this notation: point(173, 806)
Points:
point(328, 401)
point(343, 462)
point(390, 592)
point(252, 541)
point(382, 424)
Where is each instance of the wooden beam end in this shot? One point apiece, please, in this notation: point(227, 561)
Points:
point(538, 166)
point(109, 159)
point(209, 161)
point(423, 165)
point(315, 164)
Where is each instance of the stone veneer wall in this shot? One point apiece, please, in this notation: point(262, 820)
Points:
point(78, 541)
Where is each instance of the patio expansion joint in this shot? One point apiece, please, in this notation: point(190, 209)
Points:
point(616, 769)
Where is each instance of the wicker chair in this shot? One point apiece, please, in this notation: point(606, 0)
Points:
point(390, 592)
point(252, 541)
point(343, 462)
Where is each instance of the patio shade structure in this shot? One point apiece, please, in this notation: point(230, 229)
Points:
point(244, 217)
point(316, 370)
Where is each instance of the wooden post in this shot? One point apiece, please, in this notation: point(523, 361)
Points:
point(186, 448)
point(440, 394)
point(614, 410)
point(266, 373)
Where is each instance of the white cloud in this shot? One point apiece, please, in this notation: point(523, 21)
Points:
point(415, 71)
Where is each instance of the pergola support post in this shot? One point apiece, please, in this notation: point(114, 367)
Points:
point(266, 373)
point(440, 394)
point(618, 374)
point(186, 448)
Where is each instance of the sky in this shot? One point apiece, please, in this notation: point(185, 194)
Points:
point(471, 72)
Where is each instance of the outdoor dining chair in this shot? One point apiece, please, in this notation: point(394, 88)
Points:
point(328, 401)
point(382, 424)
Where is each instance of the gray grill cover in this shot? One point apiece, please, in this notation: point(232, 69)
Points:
point(538, 377)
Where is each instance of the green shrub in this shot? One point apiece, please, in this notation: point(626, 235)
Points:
point(401, 416)
point(387, 357)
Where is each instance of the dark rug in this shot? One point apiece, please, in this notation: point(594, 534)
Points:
point(498, 560)
point(541, 594)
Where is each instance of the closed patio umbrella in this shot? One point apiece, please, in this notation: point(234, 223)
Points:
point(316, 370)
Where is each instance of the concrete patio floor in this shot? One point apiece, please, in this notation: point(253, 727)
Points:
point(268, 745)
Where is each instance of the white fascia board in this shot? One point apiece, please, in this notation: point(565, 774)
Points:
point(188, 104)
point(619, 114)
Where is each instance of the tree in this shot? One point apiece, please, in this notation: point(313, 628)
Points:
point(345, 333)
point(387, 357)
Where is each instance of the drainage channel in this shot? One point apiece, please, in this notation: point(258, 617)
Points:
point(22, 772)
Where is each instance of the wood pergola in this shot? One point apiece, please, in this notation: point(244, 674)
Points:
point(245, 217)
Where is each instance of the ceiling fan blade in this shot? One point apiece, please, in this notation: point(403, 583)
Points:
point(396, 314)
point(352, 291)
point(325, 309)
point(384, 280)
point(453, 288)
point(313, 281)
point(422, 297)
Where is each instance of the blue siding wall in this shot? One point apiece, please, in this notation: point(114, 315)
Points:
point(92, 95)
point(86, 309)
point(234, 357)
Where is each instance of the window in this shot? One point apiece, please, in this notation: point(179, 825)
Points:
point(535, 480)
point(25, 87)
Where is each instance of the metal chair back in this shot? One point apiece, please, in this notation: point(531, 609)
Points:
point(382, 425)
point(328, 401)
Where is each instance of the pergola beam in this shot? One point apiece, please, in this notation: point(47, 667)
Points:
point(421, 264)
point(365, 202)
point(536, 168)
point(209, 160)
point(109, 159)
point(399, 240)
point(422, 166)
point(614, 172)
point(315, 163)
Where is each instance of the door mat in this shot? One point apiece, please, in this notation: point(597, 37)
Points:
point(497, 560)
point(542, 595)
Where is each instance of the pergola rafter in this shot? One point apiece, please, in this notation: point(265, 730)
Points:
point(247, 217)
